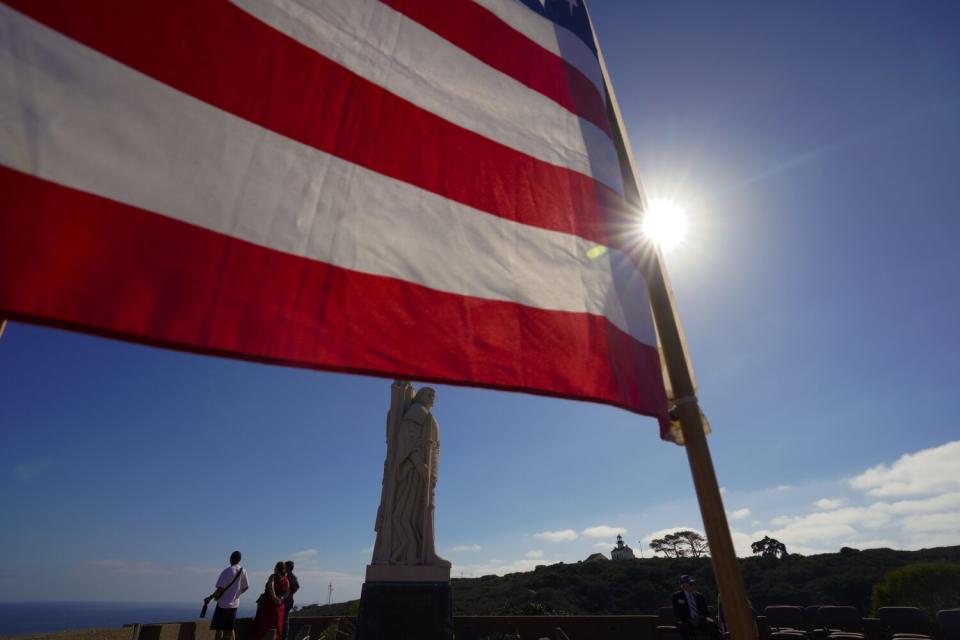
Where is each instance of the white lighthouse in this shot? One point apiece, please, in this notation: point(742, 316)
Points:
point(622, 551)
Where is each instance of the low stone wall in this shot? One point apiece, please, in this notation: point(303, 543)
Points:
point(200, 630)
point(465, 628)
point(574, 627)
point(637, 627)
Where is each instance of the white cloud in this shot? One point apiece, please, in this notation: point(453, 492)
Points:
point(201, 570)
point(829, 503)
point(563, 535)
point(314, 585)
point(920, 507)
point(367, 549)
point(934, 504)
point(925, 472)
point(325, 575)
point(466, 547)
point(813, 529)
point(931, 540)
point(904, 524)
point(495, 567)
point(603, 531)
point(307, 561)
point(134, 567)
point(905, 503)
point(741, 542)
point(932, 523)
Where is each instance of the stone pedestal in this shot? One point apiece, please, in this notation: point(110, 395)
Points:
point(405, 611)
point(407, 573)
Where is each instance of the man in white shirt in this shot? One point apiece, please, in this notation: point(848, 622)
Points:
point(231, 583)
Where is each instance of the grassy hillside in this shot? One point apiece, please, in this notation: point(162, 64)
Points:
point(641, 586)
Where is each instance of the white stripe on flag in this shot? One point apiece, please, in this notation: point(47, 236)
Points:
point(549, 35)
point(93, 124)
point(397, 53)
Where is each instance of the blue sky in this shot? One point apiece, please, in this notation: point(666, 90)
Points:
point(815, 146)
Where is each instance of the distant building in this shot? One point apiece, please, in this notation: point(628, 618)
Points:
point(595, 556)
point(622, 551)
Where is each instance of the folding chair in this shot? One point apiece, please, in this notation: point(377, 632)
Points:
point(904, 623)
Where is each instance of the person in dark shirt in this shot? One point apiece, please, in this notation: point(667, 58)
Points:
point(691, 612)
point(288, 603)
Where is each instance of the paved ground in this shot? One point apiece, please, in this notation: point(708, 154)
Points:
point(82, 634)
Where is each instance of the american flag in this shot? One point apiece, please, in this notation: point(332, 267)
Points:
point(417, 188)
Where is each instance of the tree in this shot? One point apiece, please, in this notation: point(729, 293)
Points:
point(696, 543)
point(668, 545)
point(681, 544)
point(928, 585)
point(769, 548)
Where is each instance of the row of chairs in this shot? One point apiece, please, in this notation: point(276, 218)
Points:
point(840, 623)
point(845, 623)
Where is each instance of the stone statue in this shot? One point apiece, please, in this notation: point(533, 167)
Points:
point(405, 548)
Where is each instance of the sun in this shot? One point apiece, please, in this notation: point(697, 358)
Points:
point(665, 222)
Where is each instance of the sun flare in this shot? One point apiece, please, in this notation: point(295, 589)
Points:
point(665, 223)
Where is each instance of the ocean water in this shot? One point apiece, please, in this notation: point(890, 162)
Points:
point(38, 617)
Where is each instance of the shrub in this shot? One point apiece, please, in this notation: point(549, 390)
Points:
point(928, 586)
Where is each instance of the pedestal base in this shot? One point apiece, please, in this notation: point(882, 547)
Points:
point(405, 611)
point(407, 573)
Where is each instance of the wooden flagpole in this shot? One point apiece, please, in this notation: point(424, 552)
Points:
point(3, 326)
point(736, 606)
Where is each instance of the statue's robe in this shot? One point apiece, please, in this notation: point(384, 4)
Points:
point(405, 519)
point(417, 446)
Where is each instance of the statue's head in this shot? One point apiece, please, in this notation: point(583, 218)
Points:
point(426, 396)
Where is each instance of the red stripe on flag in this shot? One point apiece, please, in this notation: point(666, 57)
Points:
point(488, 38)
point(221, 55)
point(78, 260)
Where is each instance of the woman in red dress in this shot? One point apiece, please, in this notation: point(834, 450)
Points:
point(270, 605)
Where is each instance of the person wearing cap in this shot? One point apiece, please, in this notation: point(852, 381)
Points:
point(691, 612)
